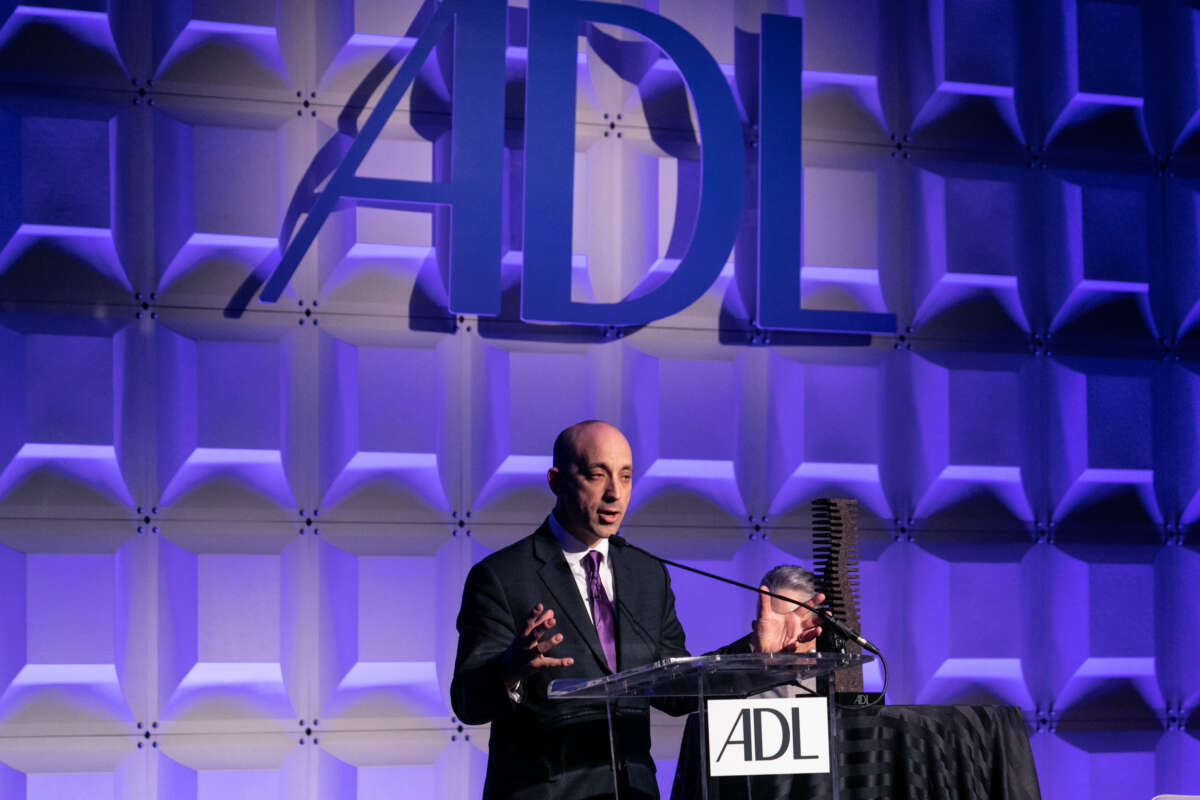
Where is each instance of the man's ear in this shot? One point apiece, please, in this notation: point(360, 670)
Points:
point(554, 478)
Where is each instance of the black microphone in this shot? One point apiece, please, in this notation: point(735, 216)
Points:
point(620, 542)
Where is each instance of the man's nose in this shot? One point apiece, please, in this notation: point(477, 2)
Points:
point(612, 489)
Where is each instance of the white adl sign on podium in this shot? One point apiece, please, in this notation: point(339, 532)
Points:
point(775, 736)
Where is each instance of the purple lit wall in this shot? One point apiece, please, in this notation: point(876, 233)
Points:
point(233, 536)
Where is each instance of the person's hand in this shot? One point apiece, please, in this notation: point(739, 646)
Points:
point(527, 653)
point(793, 630)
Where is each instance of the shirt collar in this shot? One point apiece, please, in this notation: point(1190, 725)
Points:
point(569, 544)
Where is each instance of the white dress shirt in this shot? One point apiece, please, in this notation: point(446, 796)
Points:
point(575, 551)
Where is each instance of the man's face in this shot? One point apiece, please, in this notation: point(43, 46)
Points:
point(593, 489)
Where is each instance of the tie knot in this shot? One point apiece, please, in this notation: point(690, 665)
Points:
point(592, 561)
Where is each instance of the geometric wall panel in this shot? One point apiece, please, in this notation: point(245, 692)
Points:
point(66, 643)
point(675, 460)
point(92, 768)
point(1176, 643)
point(1101, 467)
point(975, 244)
point(1103, 281)
point(232, 652)
point(211, 42)
point(1105, 672)
point(972, 664)
point(59, 220)
point(1175, 762)
point(1065, 769)
point(382, 672)
point(209, 234)
point(370, 766)
point(203, 768)
point(523, 419)
point(374, 466)
point(964, 65)
point(224, 411)
point(829, 401)
point(1097, 96)
point(62, 436)
point(972, 445)
point(843, 63)
point(717, 625)
point(1083, 676)
point(841, 271)
point(1175, 295)
point(71, 41)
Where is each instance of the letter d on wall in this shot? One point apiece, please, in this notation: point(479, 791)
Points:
point(554, 27)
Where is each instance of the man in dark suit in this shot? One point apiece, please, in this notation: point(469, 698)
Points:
point(561, 604)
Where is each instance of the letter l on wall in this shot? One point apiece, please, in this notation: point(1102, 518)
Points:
point(781, 192)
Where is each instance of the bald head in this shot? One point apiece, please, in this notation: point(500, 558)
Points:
point(591, 478)
point(568, 442)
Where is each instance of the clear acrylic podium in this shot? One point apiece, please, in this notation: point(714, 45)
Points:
point(713, 676)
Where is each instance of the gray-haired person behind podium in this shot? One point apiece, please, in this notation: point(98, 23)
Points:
point(787, 580)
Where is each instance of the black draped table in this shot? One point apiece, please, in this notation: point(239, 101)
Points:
point(897, 753)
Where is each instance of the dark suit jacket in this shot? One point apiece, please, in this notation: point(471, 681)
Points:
point(542, 748)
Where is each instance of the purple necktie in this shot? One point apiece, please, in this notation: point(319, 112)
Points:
point(602, 608)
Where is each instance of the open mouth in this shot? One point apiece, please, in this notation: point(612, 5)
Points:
point(608, 517)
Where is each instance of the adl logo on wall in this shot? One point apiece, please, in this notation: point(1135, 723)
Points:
point(474, 192)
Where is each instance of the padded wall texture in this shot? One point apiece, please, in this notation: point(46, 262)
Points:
point(233, 535)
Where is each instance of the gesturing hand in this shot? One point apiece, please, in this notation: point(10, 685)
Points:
point(783, 627)
point(527, 653)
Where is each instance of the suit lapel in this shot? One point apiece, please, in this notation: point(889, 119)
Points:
point(630, 594)
point(567, 603)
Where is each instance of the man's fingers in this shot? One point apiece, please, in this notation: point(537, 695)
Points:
point(546, 644)
point(533, 614)
point(525, 655)
point(541, 662)
point(764, 603)
point(531, 619)
point(543, 621)
point(537, 633)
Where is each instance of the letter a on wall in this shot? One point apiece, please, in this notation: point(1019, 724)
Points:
point(475, 189)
